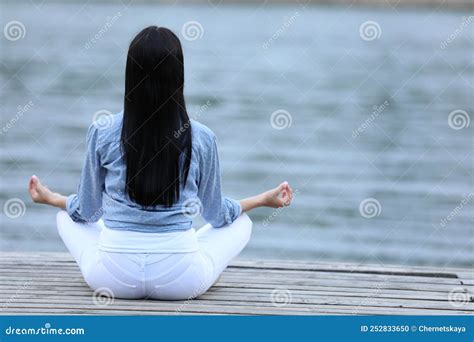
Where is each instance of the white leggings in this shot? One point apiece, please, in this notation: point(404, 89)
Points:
point(154, 275)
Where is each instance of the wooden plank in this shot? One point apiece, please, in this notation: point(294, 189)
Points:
point(327, 291)
point(236, 284)
point(43, 257)
point(264, 299)
point(249, 273)
point(212, 307)
point(51, 283)
point(402, 295)
point(264, 282)
point(350, 268)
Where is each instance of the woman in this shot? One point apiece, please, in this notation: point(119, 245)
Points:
point(146, 174)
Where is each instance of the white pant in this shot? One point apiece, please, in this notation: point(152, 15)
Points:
point(154, 275)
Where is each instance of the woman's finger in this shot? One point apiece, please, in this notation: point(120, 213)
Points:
point(33, 186)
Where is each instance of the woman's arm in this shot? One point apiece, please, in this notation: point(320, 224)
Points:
point(279, 197)
point(275, 198)
point(219, 210)
point(86, 206)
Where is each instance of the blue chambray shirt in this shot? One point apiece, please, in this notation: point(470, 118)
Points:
point(101, 189)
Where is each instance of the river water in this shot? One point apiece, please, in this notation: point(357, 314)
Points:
point(350, 105)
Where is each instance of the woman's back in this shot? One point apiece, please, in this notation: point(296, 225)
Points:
point(101, 191)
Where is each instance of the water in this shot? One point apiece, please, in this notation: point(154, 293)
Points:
point(250, 62)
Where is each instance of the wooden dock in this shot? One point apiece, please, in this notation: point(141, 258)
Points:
point(51, 283)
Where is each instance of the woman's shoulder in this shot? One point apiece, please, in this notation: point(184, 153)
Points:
point(202, 135)
point(108, 127)
point(201, 131)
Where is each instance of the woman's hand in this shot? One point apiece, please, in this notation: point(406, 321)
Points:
point(41, 194)
point(279, 197)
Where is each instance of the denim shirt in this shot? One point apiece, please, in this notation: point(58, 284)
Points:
point(101, 192)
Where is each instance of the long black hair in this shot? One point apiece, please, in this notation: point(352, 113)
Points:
point(157, 160)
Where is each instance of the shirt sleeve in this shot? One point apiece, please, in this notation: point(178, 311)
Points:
point(217, 209)
point(86, 205)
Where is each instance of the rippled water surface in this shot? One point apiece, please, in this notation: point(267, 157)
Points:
point(365, 119)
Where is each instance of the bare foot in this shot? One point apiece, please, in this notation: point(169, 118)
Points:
point(40, 193)
point(279, 197)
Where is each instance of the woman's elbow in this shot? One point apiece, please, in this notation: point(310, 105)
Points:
point(87, 217)
point(217, 223)
point(220, 221)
